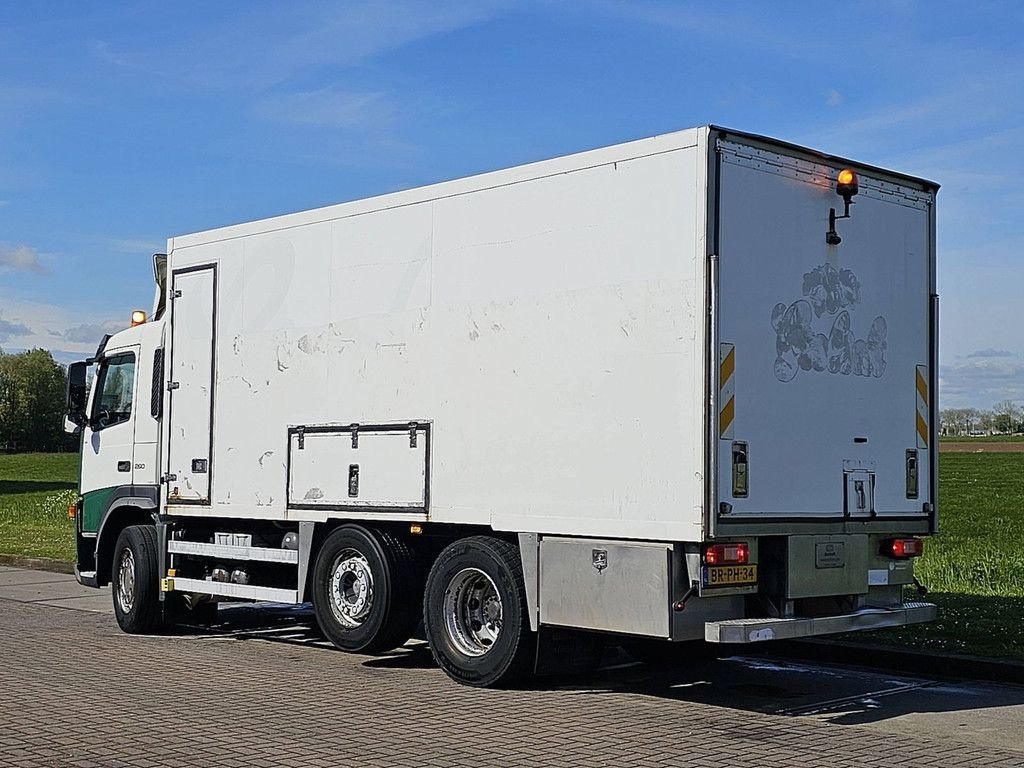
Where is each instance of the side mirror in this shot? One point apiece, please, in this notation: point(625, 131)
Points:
point(77, 397)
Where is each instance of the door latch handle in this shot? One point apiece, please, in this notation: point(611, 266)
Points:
point(861, 500)
point(124, 466)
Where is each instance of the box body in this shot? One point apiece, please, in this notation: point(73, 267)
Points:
point(547, 349)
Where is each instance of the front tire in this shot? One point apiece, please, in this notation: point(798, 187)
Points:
point(366, 590)
point(475, 613)
point(134, 580)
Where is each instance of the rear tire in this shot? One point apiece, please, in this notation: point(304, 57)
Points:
point(134, 580)
point(475, 613)
point(366, 589)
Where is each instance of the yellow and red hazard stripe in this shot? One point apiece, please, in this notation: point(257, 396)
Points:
point(922, 406)
point(726, 393)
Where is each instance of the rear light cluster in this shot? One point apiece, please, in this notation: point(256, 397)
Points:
point(727, 554)
point(902, 549)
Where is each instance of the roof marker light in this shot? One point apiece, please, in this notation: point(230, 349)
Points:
point(847, 184)
point(138, 317)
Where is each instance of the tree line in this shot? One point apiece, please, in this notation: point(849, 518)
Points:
point(32, 398)
point(1005, 417)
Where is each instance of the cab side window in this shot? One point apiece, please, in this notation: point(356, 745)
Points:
point(113, 402)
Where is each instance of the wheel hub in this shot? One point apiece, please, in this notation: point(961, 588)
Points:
point(126, 581)
point(472, 612)
point(351, 588)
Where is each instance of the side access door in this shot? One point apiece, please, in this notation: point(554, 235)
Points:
point(191, 383)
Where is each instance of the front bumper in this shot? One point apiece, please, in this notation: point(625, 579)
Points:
point(756, 630)
point(86, 578)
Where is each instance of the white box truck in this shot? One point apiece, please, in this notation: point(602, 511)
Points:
point(680, 388)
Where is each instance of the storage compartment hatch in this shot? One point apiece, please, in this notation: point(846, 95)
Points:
point(364, 467)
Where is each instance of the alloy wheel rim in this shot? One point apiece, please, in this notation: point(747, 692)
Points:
point(351, 588)
point(126, 580)
point(473, 612)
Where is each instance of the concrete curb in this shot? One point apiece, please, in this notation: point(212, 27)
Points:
point(946, 666)
point(37, 563)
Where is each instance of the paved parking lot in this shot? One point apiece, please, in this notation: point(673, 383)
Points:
point(263, 689)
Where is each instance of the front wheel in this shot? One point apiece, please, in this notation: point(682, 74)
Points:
point(135, 582)
point(475, 613)
point(366, 589)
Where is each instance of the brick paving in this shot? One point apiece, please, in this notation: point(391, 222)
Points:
point(75, 691)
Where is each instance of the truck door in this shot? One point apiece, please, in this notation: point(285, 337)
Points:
point(826, 344)
point(108, 442)
point(191, 383)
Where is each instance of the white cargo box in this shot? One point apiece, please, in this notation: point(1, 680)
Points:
point(648, 341)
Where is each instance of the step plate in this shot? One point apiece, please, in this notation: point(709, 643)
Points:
point(228, 589)
point(756, 630)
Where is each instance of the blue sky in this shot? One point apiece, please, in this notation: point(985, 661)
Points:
point(123, 123)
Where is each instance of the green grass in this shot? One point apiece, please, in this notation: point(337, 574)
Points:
point(975, 564)
point(35, 490)
point(979, 549)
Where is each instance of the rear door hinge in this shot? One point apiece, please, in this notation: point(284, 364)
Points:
point(172, 385)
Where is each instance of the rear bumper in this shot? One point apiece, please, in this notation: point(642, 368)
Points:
point(755, 630)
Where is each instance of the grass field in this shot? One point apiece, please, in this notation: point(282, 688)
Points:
point(974, 567)
point(35, 490)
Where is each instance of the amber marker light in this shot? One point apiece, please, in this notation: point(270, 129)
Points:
point(138, 317)
point(846, 184)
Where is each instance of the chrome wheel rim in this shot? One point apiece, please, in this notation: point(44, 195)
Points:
point(351, 588)
point(126, 580)
point(472, 612)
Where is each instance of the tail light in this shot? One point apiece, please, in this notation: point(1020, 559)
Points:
point(902, 549)
point(727, 554)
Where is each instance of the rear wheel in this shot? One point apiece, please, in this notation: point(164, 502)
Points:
point(366, 589)
point(134, 580)
point(475, 614)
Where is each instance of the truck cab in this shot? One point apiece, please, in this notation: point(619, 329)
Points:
point(118, 418)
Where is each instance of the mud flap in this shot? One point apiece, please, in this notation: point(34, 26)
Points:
point(566, 651)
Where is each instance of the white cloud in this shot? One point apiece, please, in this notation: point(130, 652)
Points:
point(105, 52)
point(21, 258)
point(981, 381)
point(833, 98)
point(45, 325)
point(990, 352)
point(90, 333)
point(261, 45)
point(9, 329)
point(329, 107)
point(134, 245)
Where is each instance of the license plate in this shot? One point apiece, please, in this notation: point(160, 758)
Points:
point(729, 575)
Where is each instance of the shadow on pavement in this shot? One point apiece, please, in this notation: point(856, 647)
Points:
point(839, 694)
